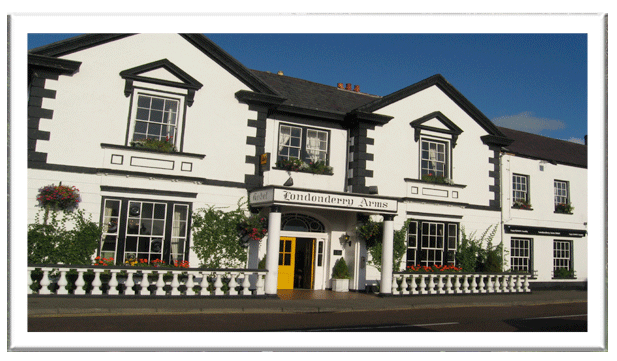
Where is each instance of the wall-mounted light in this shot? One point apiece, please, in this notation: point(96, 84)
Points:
point(289, 182)
point(346, 239)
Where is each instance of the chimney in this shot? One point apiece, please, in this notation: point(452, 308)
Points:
point(348, 86)
point(356, 88)
point(340, 85)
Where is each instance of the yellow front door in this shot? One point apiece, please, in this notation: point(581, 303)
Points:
point(287, 258)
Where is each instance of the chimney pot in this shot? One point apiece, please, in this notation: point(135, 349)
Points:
point(348, 86)
point(340, 85)
point(356, 88)
point(280, 72)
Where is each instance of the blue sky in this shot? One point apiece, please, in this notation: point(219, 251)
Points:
point(531, 82)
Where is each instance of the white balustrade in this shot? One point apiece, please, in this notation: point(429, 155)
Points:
point(130, 281)
point(422, 283)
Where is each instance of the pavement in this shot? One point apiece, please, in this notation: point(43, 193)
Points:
point(296, 301)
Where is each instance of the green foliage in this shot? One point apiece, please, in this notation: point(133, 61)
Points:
point(216, 236)
point(563, 273)
point(163, 145)
point(372, 233)
point(298, 165)
point(53, 241)
point(471, 256)
point(341, 271)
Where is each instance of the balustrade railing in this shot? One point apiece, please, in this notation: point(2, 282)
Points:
point(133, 281)
point(429, 283)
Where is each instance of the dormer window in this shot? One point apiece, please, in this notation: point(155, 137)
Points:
point(160, 93)
point(437, 136)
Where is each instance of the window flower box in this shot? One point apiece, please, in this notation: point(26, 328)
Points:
point(564, 208)
point(521, 204)
point(437, 179)
point(159, 145)
point(297, 165)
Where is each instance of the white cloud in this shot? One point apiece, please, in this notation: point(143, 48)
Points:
point(527, 122)
point(576, 140)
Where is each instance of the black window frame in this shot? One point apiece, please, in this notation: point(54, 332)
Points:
point(304, 156)
point(123, 220)
point(415, 233)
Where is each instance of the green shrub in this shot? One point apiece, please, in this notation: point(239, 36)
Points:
point(341, 271)
point(471, 256)
point(372, 233)
point(54, 242)
point(217, 236)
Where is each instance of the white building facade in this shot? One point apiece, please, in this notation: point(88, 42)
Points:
point(236, 131)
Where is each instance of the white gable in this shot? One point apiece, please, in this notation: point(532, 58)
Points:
point(161, 74)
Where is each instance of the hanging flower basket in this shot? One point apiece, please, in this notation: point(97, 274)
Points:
point(59, 197)
point(254, 227)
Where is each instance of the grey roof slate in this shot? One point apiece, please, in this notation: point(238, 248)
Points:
point(545, 148)
point(306, 94)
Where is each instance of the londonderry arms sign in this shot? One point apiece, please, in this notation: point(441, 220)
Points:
point(282, 196)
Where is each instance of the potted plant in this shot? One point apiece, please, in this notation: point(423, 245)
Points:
point(340, 276)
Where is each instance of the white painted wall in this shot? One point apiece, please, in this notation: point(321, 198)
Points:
point(397, 154)
point(90, 107)
point(541, 195)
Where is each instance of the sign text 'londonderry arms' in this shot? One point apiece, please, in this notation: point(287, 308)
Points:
point(276, 196)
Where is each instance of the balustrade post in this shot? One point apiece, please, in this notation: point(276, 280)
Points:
point(474, 284)
point(80, 283)
point(260, 290)
point(246, 284)
point(160, 285)
point(218, 284)
point(62, 283)
point(526, 284)
point(144, 284)
point(175, 284)
point(113, 283)
point(97, 285)
point(457, 284)
point(481, 285)
point(190, 284)
point(490, 285)
point(204, 285)
point(413, 285)
point(466, 284)
point(511, 285)
point(449, 289)
point(497, 285)
point(45, 282)
point(129, 283)
point(431, 285)
point(440, 284)
point(233, 284)
point(394, 287)
point(404, 285)
point(30, 281)
point(519, 283)
point(423, 290)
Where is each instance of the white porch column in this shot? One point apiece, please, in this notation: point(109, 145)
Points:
point(272, 250)
point(387, 255)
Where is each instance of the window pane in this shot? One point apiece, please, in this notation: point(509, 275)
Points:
point(140, 127)
point(143, 114)
point(156, 116)
point(143, 101)
point(158, 103)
